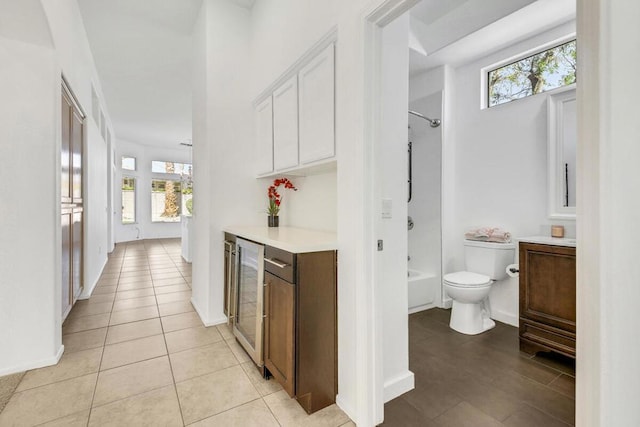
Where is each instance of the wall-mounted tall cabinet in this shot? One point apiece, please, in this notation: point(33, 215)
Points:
point(295, 123)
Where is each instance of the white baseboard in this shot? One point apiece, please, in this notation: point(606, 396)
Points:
point(504, 317)
point(86, 293)
point(447, 303)
point(208, 322)
point(398, 385)
point(49, 361)
point(346, 408)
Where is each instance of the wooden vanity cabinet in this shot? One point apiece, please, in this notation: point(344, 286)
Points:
point(547, 298)
point(300, 337)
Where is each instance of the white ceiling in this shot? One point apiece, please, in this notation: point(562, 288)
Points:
point(143, 53)
point(458, 31)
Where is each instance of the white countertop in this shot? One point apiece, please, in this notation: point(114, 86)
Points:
point(297, 240)
point(548, 240)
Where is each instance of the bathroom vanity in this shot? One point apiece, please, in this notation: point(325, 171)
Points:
point(548, 295)
point(293, 335)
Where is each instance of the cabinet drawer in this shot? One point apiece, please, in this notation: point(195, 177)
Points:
point(280, 263)
point(553, 338)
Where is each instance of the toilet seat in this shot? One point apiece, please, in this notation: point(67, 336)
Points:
point(466, 279)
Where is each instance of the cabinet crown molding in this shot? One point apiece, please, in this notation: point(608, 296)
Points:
point(330, 37)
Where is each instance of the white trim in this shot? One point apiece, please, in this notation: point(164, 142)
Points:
point(370, 367)
point(484, 71)
point(346, 408)
point(555, 144)
point(310, 54)
point(398, 386)
point(87, 291)
point(504, 317)
point(206, 322)
point(49, 361)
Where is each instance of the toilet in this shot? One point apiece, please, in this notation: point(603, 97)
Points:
point(485, 262)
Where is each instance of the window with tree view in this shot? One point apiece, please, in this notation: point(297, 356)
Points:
point(165, 200)
point(128, 200)
point(544, 71)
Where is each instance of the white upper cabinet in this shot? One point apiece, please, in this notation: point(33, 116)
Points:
point(264, 136)
point(285, 125)
point(317, 108)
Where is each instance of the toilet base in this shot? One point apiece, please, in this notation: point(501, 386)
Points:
point(470, 318)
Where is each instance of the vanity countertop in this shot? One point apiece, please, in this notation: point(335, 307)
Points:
point(296, 240)
point(547, 240)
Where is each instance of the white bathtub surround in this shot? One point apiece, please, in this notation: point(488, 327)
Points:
point(424, 290)
point(425, 238)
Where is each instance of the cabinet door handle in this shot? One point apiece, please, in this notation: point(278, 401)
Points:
point(276, 263)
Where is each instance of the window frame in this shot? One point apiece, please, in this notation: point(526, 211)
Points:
point(168, 173)
point(484, 71)
point(135, 197)
point(178, 191)
point(135, 163)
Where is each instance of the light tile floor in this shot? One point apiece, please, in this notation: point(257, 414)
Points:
point(136, 354)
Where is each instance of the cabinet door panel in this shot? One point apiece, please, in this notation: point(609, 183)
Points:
point(285, 125)
point(65, 153)
point(77, 253)
point(76, 157)
point(67, 256)
point(264, 137)
point(317, 106)
point(280, 331)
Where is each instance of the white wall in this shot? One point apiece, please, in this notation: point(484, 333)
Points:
point(313, 206)
point(30, 312)
point(500, 165)
point(56, 44)
point(223, 147)
point(144, 228)
point(391, 185)
point(76, 64)
point(608, 375)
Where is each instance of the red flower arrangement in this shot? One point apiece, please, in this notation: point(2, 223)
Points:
point(274, 197)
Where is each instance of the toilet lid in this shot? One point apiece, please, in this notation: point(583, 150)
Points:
point(467, 278)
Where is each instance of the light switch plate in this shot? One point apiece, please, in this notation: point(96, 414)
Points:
point(387, 208)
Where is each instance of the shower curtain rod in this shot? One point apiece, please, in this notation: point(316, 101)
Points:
point(433, 122)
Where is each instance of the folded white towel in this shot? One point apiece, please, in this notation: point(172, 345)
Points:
point(488, 234)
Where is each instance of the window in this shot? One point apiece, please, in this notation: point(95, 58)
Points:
point(546, 70)
point(171, 167)
point(128, 200)
point(128, 163)
point(165, 201)
point(187, 198)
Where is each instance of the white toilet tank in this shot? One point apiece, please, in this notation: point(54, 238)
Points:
point(490, 259)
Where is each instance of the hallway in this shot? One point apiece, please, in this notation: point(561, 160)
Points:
point(137, 354)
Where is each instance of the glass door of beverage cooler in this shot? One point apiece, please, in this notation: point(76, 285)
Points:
point(249, 297)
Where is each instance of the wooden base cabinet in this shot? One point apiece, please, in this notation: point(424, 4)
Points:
point(547, 299)
point(300, 338)
point(279, 331)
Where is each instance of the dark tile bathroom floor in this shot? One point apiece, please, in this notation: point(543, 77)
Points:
point(481, 380)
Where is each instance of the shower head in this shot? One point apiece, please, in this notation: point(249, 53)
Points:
point(433, 122)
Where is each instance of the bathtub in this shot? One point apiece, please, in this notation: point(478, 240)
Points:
point(424, 290)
